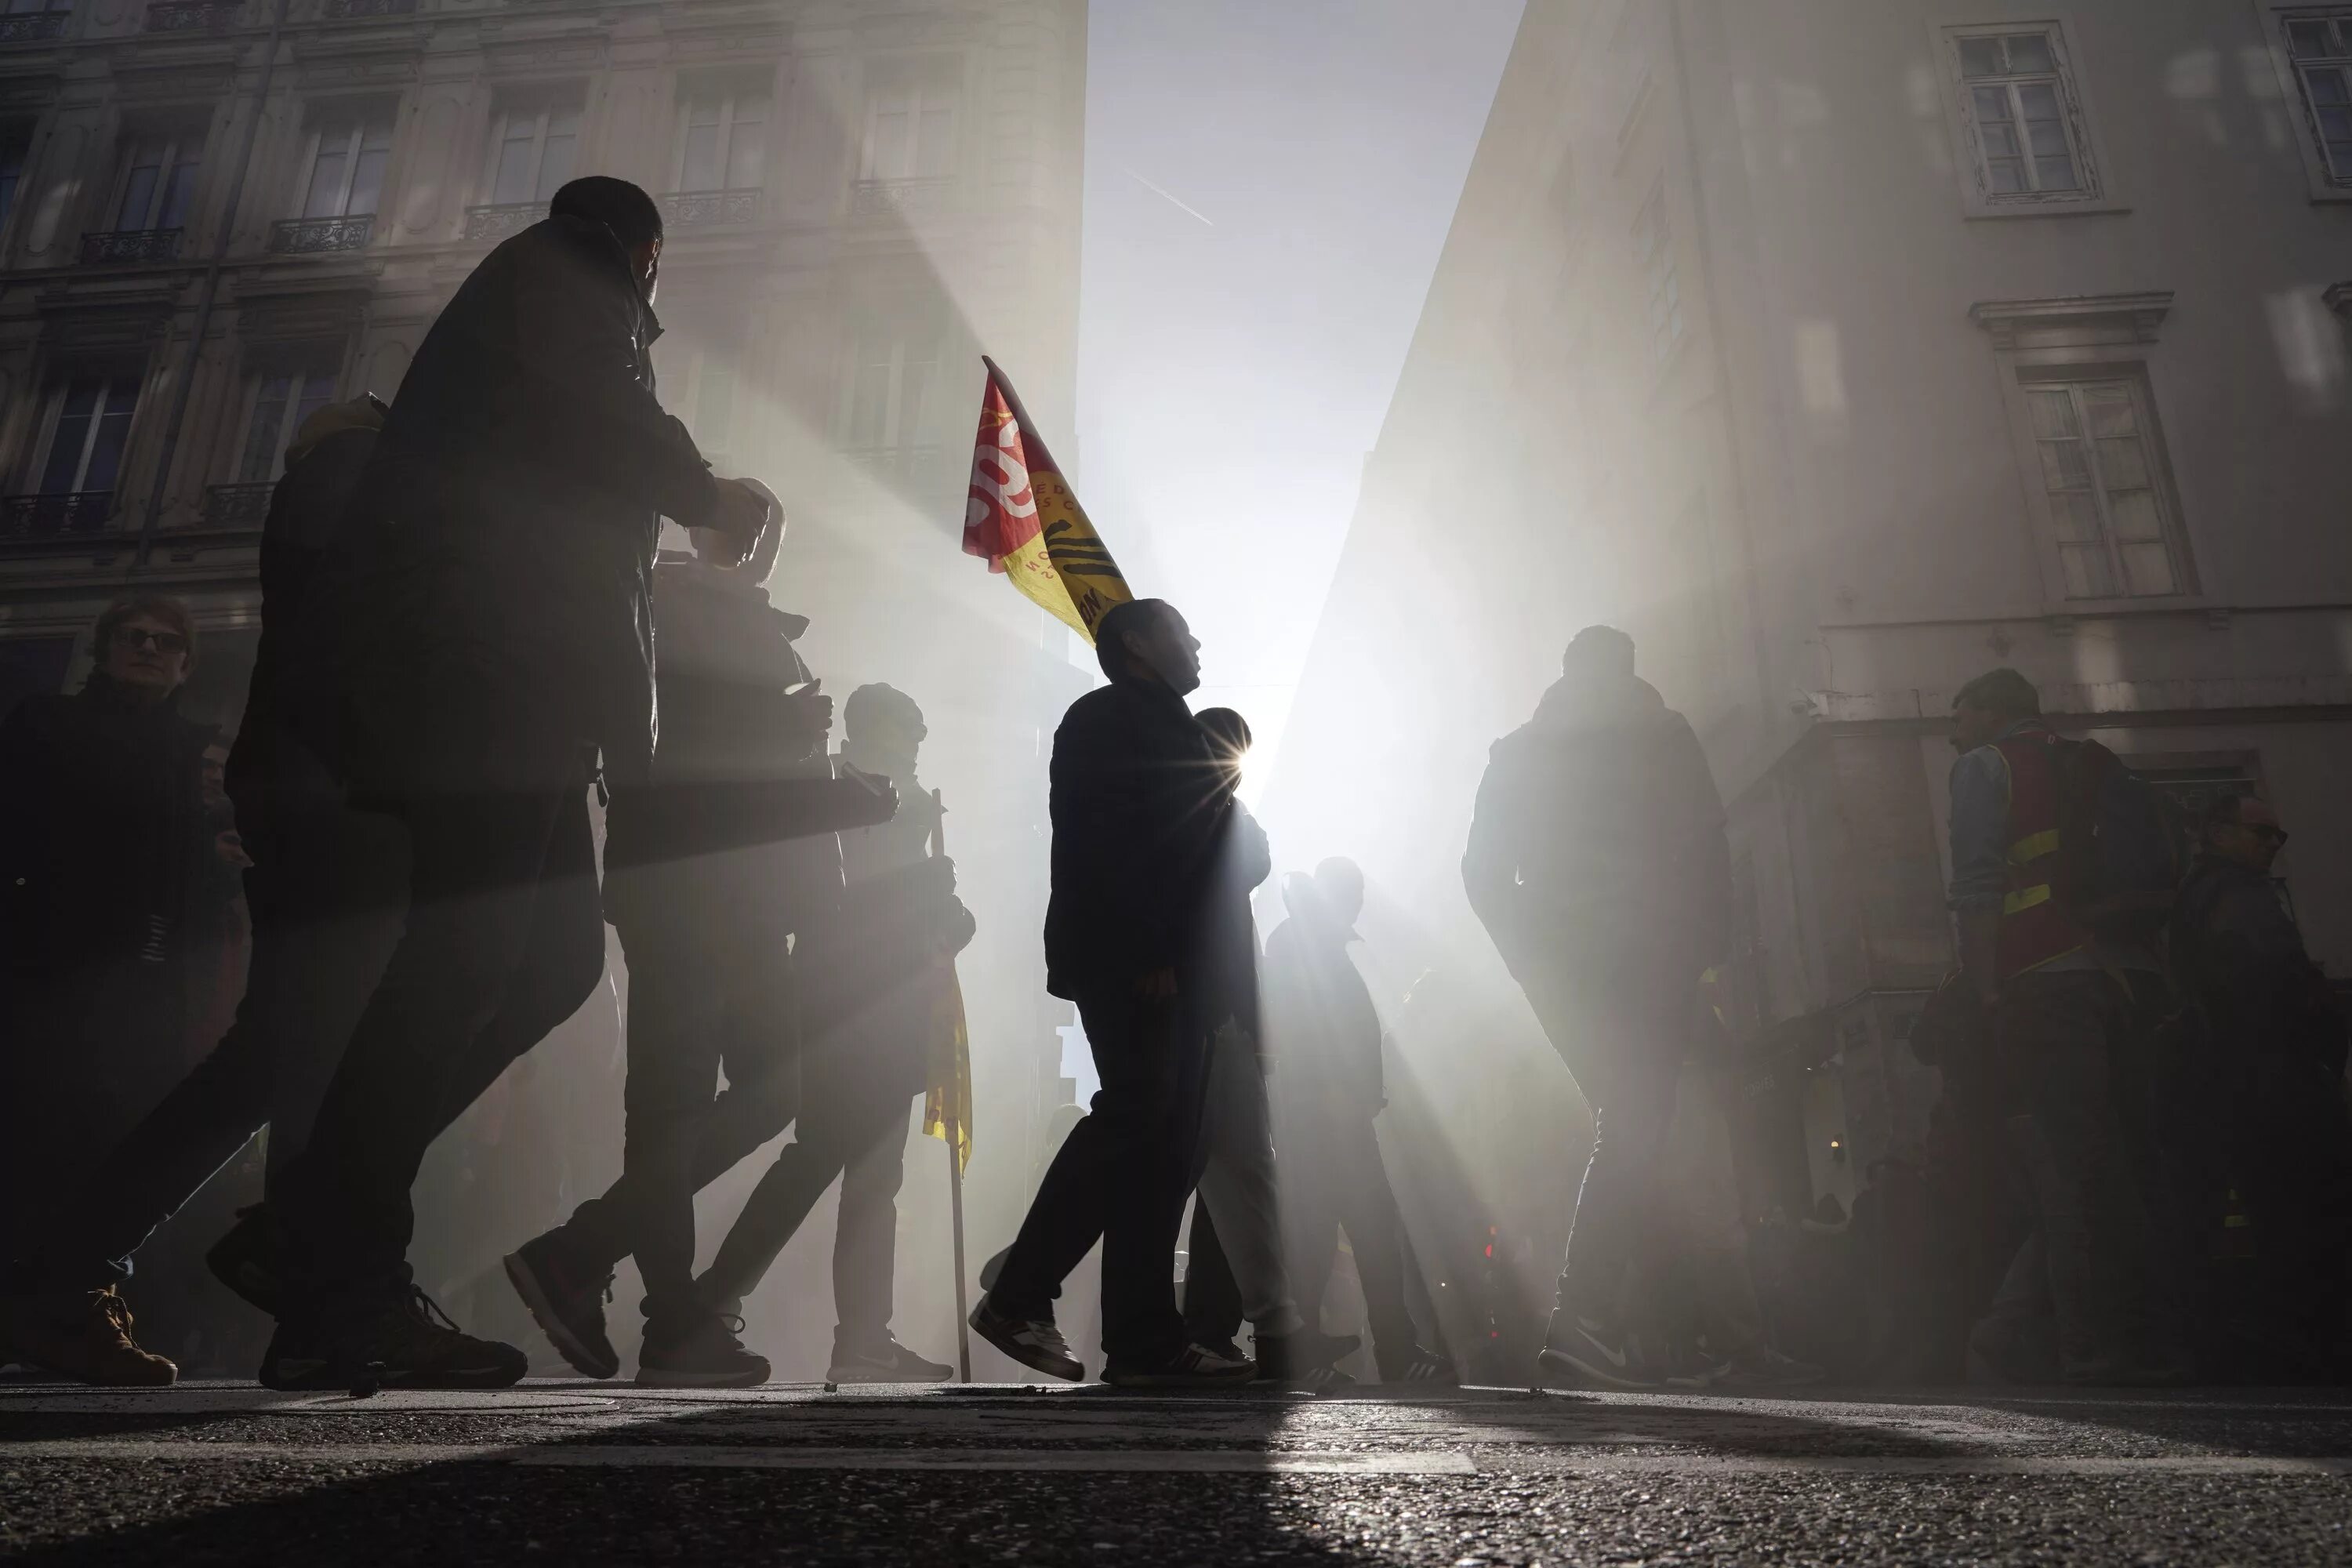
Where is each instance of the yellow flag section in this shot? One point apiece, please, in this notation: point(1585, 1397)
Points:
point(1022, 519)
point(947, 1098)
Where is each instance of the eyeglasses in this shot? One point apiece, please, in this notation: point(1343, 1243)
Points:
point(140, 637)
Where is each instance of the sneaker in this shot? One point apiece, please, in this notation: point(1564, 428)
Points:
point(1035, 1342)
point(403, 1341)
point(1194, 1367)
point(882, 1361)
point(1305, 1355)
point(251, 1259)
point(1699, 1371)
point(1576, 1346)
point(1418, 1365)
point(702, 1353)
point(86, 1335)
point(567, 1302)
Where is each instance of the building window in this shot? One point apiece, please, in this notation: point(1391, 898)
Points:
point(2103, 471)
point(722, 141)
point(532, 146)
point(281, 402)
point(92, 427)
point(2321, 49)
point(893, 388)
point(1655, 240)
point(158, 182)
point(2023, 119)
point(345, 164)
point(911, 129)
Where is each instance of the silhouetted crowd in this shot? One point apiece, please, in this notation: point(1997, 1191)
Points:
point(448, 781)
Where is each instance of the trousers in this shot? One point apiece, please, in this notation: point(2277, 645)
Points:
point(1121, 1175)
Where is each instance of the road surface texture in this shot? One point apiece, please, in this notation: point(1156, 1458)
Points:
point(563, 1473)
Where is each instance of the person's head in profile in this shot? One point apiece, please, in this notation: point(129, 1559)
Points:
point(634, 217)
point(1146, 639)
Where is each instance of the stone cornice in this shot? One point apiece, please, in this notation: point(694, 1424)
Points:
point(2073, 319)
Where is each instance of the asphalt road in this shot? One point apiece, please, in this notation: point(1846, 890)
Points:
point(561, 1473)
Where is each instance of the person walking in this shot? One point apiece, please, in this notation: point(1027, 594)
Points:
point(1598, 863)
point(1138, 815)
point(484, 656)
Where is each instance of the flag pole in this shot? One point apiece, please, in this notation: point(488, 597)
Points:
point(954, 1142)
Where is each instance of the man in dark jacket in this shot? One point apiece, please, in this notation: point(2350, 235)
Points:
point(2258, 1107)
point(1599, 865)
point(494, 639)
point(705, 917)
point(110, 876)
point(1137, 812)
point(1328, 1084)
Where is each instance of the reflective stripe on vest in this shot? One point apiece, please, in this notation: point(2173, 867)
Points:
point(2034, 928)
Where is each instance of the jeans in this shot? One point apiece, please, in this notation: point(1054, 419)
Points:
point(2069, 1126)
point(1237, 1192)
point(1624, 1036)
point(502, 887)
point(852, 1126)
point(1121, 1175)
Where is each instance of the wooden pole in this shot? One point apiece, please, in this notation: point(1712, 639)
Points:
point(955, 1159)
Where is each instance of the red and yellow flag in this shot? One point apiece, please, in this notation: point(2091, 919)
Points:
point(1024, 521)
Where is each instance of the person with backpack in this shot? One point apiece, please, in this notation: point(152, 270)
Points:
point(2056, 853)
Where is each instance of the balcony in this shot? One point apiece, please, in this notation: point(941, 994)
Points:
point(709, 209)
point(64, 516)
point(193, 16)
point(123, 246)
point(904, 198)
point(244, 508)
point(352, 10)
point(33, 26)
point(311, 235)
point(495, 223)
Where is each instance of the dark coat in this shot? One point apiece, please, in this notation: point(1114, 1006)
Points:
point(1599, 837)
point(2241, 963)
point(1138, 810)
point(521, 476)
point(106, 845)
point(1323, 1034)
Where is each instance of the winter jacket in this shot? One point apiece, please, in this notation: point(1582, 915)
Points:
point(521, 476)
point(1138, 810)
point(2241, 963)
point(1598, 837)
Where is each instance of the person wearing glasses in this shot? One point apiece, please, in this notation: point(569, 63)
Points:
point(2267, 1076)
point(111, 869)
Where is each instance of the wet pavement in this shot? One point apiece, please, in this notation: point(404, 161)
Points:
point(576, 1472)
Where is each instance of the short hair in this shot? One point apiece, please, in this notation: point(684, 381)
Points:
point(2002, 691)
point(634, 217)
point(1599, 651)
point(1338, 867)
point(879, 703)
point(162, 607)
point(1227, 728)
point(1110, 632)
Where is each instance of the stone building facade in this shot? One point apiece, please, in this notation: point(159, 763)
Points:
point(1839, 352)
point(216, 215)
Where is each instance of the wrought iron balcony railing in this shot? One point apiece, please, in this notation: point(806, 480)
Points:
point(498, 223)
point(345, 10)
point(706, 209)
point(237, 506)
point(193, 16)
point(909, 198)
point(33, 26)
point(65, 515)
point(309, 235)
point(123, 245)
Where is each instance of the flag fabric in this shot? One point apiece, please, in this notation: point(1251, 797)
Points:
point(947, 1099)
point(1022, 519)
